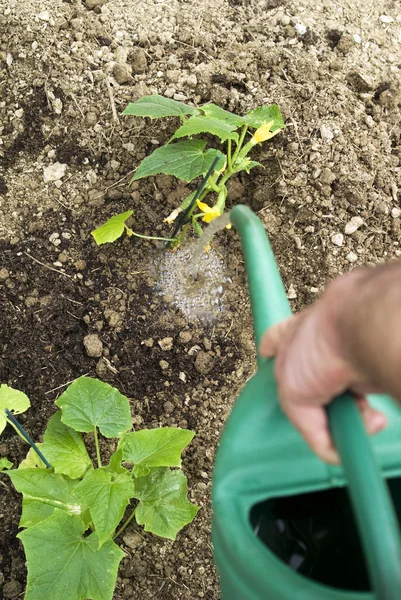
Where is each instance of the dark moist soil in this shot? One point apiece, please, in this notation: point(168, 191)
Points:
point(334, 70)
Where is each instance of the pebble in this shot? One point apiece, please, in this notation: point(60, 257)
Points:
point(204, 363)
point(163, 365)
point(352, 257)
point(395, 212)
point(168, 407)
point(337, 239)
point(148, 343)
point(133, 540)
point(121, 73)
point(139, 62)
point(300, 28)
point(182, 377)
point(291, 294)
point(326, 133)
point(4, 274)
point(166, 343)
point(327, 176)
point(93, 345)
point(352, 225)
point(54, 172)
point(44, 16)
point(91, 4)
point(80, 265)
point(185, 336)
point(386, 19)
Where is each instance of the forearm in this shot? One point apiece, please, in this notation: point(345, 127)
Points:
point(367, 306)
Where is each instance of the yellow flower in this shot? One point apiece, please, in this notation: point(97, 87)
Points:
point(264, 132)
point(210, 213)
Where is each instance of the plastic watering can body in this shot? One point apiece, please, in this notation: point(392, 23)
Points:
point(262, 457)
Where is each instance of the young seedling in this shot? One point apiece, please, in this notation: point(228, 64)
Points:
point(190, 158)
point(71, 513)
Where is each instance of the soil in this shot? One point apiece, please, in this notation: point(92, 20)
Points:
point(67, 70)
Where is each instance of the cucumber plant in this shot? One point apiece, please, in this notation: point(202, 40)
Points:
point(190, 157)
point(72, 511)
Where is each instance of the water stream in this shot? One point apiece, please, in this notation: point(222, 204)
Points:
point(216, 225)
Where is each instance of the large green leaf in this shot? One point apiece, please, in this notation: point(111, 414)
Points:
point(64, 448)
point(64, 565)
point(112, 229)
point(32, 459)
point(5, 464)
point(164, 508)
point(42, 485)
point(158, 106)
point(195, 125)
point(186, 160)
point(264, 114)
point(34, 511)
point(155, 447)
point(88, 403)
point(16, 402)
point(215, 112)
point(107, 496)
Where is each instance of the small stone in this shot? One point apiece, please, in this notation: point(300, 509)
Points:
point(386, 19)
point(166, 343)
point(139, 62)
point(30, 301)
point(204, 363)
point(91, 4)
point(352, 225)
point(54, 238)
point(300, 28)
point(185, 336)
point(168, 298)
point(44, 16)
point(121, 73)
point(54, 172)
point(133, 540)
point(352, 257)
point(113, 317)
point(192, 80)
point(80, 265)
point(163, 365)
point(337, 239)
point(93, 345)
point(207, 344)
point(168, 407)
point(327, 176)
point(291, 294)
point(326, 133)
point(91, 118)
point(62, 257)
point(4, 274)
point(395, 212)
point(148, 343)
point(357, 38)
point(182, 377)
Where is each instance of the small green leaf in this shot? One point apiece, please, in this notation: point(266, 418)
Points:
point(88, 403)
point(215, 112)
point(164, 508)
point(64, 565)
point(115, 465)
point(45, 486)
point(112, 229)
point(248, 165)
point(64, 448)
point(155, 447)
point(16, 402)
point(34, 511)
point(264, 114)
point(107, 496)
point(197, 227)
point(5, 464)
point(33, 460)
point(158, 106)
point(186, 160)
point(196, 125)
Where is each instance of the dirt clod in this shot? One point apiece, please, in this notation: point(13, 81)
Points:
point(93, 345)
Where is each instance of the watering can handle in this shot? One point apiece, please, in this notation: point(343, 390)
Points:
point(372, 505)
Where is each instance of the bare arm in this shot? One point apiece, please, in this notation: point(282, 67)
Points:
point(349, 339)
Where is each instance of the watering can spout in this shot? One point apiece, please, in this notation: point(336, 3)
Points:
point(268, 297)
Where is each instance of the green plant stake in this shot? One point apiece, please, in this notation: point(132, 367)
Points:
point(72, 512)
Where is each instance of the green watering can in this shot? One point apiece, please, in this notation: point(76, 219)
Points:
point(283, 526)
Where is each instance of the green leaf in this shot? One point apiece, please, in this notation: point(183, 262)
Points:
point(197, 227)
point(155, 447)
point(34, 511)
point(88, 403)
point(5, 464)
point(65, 565)
point(107, 496)
point(115, 465)
point(186, 160)
point(215, 112)
point(112, 229)
point(64, 448)
point(264, 114)
point(196, 125)
point(16, 402)
point(250, 164)
point(164, 508)
point(45, 486)
point(33, 460)
point(158, 106)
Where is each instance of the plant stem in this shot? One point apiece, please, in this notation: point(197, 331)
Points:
point(99, 460)
point(124, 525)
point(148, 237)
point(240, 142)
point(229, 161)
